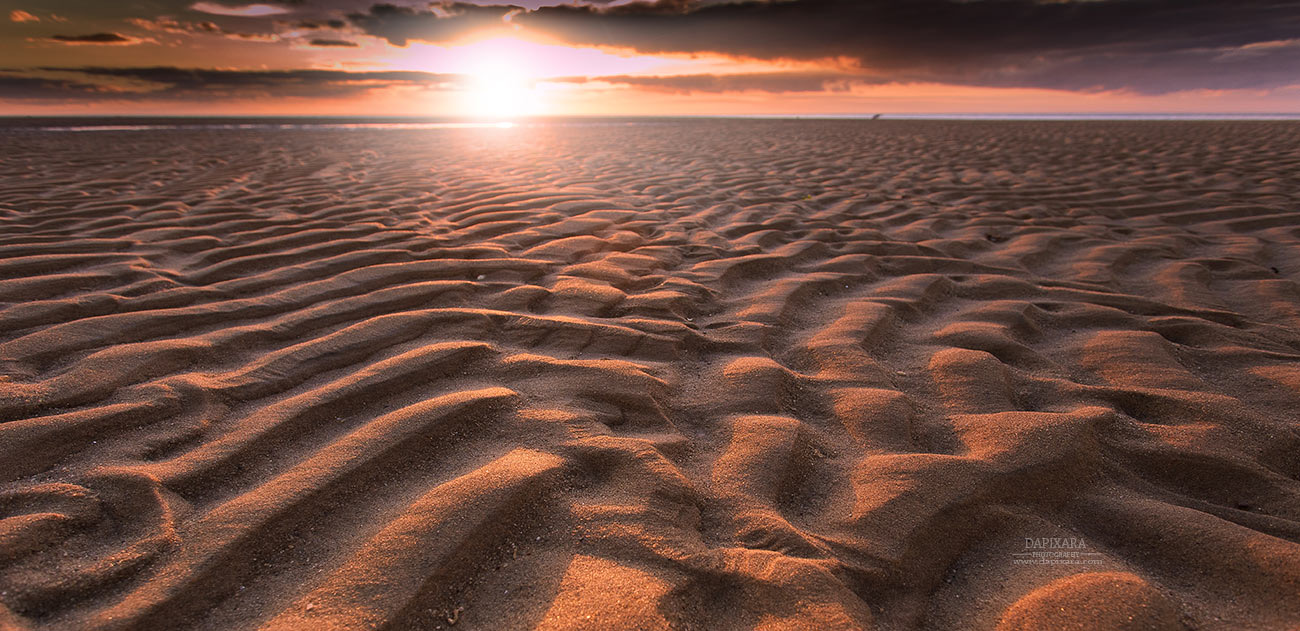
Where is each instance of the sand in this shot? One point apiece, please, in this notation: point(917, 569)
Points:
point(669, 375)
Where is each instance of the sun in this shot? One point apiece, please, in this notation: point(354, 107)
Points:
point(500, 94)
point(498, 85)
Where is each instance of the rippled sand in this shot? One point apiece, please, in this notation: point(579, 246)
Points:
point(693, 375)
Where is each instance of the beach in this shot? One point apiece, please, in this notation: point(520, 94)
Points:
point(651, 374)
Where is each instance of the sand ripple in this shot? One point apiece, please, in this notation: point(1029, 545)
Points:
point(697, 375)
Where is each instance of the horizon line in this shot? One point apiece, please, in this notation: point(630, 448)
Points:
point(853, 116)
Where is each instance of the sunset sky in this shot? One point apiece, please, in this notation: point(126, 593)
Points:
point(497, 60)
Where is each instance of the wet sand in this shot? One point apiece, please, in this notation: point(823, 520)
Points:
point(668, 375)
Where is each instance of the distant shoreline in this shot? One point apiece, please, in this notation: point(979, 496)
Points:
point(154, 123)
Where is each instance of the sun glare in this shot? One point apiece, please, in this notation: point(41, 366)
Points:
point(499, 84)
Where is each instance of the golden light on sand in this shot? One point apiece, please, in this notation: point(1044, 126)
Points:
point(322, 385)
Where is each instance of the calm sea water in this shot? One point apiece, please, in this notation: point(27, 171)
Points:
point(118, 124)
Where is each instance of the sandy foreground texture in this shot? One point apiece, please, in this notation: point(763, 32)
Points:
point(687, 375)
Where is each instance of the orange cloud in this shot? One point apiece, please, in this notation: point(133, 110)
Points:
point(18, 15)
point(171, 25)
point(243, 10)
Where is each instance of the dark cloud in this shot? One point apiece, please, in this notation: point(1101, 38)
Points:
point(892, 33)
point(1104, 43)
point(164, 82)
point(441, 22)
point(1146, 46)
point(1241, 68)
point(774, 82)
point(94, 38)
point(44, 88)
point(315, 25)
point(1249, 67)
point(336, 43)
